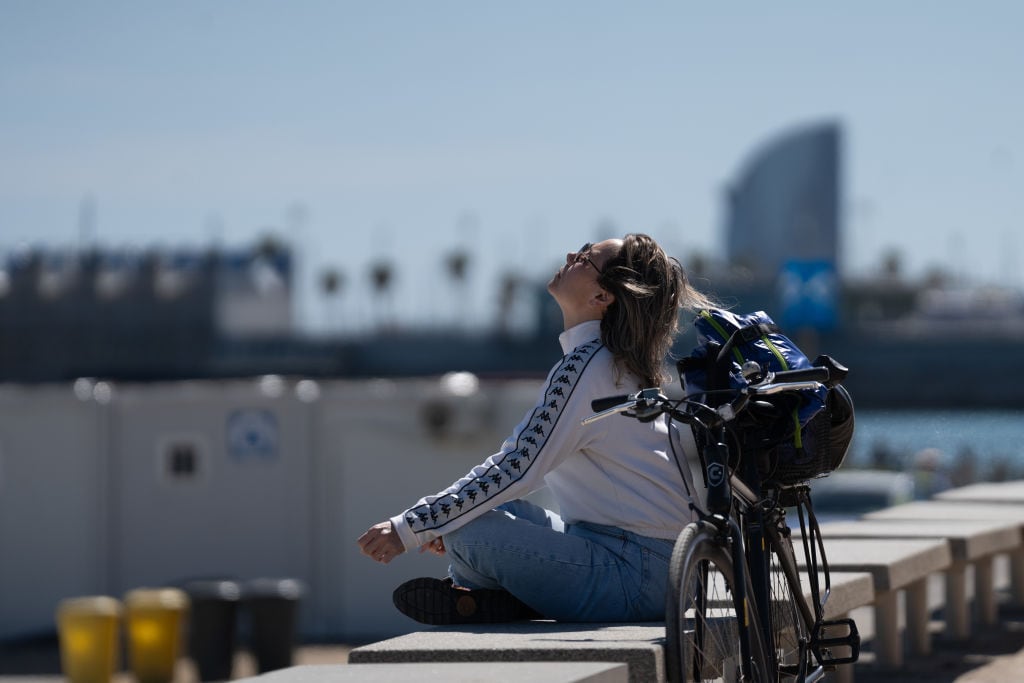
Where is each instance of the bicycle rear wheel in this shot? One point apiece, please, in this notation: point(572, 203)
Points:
point(703, 615)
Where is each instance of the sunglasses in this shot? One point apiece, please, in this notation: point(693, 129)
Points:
point(583, 256)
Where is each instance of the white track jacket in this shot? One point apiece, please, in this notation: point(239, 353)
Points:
point(617, 471)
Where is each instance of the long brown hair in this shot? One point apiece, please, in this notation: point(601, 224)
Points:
point(650, 288)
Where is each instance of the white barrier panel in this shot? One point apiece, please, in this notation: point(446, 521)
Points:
point(53, 483)
point(156, 484)
point(378, 452)
point(212, 480)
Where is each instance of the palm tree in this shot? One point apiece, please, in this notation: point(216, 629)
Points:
point(381, 279)
point(332, 281)
point(508, 292)
point(457, 264)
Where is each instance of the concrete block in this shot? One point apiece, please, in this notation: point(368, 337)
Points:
point(987, 492)
point(640, 646)
point(956, 510)
point(969, 539)
point(850, 590)
point(950, 510)
point(892, 563)
point(451, 672)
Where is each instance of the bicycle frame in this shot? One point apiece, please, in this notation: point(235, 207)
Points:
point(754, 527)
point(762, 534)
point(741, 514)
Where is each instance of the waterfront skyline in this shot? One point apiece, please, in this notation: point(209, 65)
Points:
point(367, 133)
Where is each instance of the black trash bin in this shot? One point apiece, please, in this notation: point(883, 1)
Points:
point(212, 627)
point(273, 606)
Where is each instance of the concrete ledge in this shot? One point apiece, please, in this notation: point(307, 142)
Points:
point(966, 510)
point(951, 510)
point(465, 672)
point(972, 542)
point(640, 646)
point(988, 492)
point(969, 539)
point(850, 590)
point(894, 565)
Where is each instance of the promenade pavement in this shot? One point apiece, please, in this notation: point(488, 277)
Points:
point(39, 662)
point(993, 654)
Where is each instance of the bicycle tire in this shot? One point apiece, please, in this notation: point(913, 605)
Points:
point(702, 640)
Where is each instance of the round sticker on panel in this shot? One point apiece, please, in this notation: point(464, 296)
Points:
point(252, 434)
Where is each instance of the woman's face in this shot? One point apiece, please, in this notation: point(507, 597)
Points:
point(575, 286)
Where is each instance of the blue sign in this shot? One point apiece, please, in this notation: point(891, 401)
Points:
point(252, 434)
point(809, 292)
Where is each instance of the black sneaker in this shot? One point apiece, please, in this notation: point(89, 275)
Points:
point(439, 603)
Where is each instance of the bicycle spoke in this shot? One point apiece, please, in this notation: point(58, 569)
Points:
point(788, 627)
point(711, 623)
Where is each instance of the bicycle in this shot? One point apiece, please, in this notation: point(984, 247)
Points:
point(736, 608)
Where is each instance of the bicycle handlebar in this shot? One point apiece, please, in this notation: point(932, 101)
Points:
point(820, 375)
point(599, 405)
point(653, 401)
point(645, 398)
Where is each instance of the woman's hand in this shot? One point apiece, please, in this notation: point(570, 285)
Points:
point(436, 546)
point(381, 542)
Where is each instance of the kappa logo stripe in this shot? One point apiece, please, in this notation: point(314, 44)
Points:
point(513, 464)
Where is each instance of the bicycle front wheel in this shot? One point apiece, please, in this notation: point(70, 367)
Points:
point(703, 616)
point(789, 627)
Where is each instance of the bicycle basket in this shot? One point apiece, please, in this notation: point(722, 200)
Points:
point(825, 442)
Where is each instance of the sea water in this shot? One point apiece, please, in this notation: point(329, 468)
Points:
point(989, 441)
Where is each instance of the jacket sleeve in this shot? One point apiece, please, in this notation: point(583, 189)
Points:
point(548, 433)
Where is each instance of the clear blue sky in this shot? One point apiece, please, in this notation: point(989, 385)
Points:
point(362, 130)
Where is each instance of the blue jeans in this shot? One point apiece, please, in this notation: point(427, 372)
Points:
point(577, 572)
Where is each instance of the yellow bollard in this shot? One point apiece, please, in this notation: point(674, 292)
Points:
point(154, 618)
point(89, 632)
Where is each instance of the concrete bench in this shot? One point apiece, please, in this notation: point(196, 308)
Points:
point(1009, 492)
point(894, 566)
point(450, 672)
point(639, 646)
point(849, 591)
point(952, 511)
point(971, 542)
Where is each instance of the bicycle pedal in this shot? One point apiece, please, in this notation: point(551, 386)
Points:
point(825, 643)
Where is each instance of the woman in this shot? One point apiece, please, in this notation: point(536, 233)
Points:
point(620, 494)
